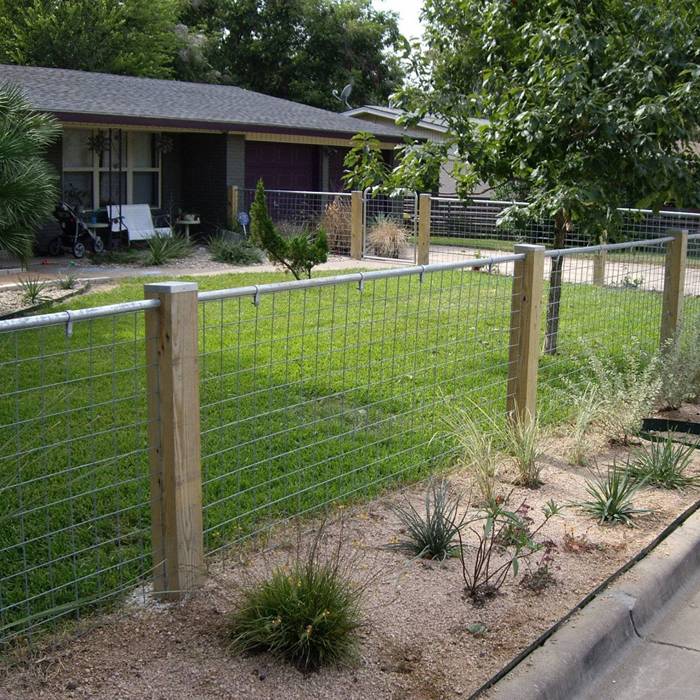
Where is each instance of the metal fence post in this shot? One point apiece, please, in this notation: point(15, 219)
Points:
point(423, 257)
point(356, 226)
point(525, 325)
point(674, 285)
point(233, 205)
point(174, 438)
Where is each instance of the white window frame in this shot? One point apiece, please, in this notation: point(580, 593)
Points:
point(130, 168)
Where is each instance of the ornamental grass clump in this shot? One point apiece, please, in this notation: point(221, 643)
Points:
point(433, 534)
point(386, 238)
point(664, 464)
point(611, 496)
point(308, 614)
point(164, 249)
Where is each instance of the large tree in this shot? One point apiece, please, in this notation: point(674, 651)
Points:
point(591, 105)
point(131, 37)
point(28, 184)
point(302, 49)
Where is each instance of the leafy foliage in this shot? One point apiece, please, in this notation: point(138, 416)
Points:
point(679, 366)
point(663, 464)
point(298, 253)
point(611, 495)
point(225, 249)
point(28, 184)
point(433, 535)
point(164, 249)
point(583, 107)
point(493, 562)
point(307, 614)
point(132, 37)
point(364, 163)
point(308, 48)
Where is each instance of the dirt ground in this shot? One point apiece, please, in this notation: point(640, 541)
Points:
point(415, 644)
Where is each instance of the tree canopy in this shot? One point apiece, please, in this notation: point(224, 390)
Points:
point(297, 49)
point(131, 37)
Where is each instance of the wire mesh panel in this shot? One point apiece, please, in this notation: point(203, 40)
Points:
point(613, 313)
point(321, 394)
point(297, 211)
point(74, 475)
point(391, 226)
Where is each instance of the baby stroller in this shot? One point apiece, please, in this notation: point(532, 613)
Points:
point(75, 235)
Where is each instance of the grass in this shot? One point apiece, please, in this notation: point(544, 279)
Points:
point(664, 464)
point(327, 395)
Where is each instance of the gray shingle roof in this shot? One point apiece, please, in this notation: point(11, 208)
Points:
point(145, 100)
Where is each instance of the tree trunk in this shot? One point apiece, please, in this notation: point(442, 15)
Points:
point(562, 225)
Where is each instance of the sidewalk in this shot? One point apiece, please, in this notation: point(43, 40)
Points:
point(664, 662)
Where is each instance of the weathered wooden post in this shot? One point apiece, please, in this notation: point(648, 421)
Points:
point(423, 251)
point(356, 244)
point(233, 205)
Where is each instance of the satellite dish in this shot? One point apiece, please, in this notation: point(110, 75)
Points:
point(344, 95)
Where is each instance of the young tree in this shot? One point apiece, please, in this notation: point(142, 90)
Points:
point(591, 105)
point(130, 37)
point(28, 185)
point(297, 254)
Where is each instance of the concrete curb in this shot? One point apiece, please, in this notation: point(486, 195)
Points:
point(586, 644)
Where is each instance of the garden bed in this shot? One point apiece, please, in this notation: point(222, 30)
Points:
point(13, 302)
point(416, 642)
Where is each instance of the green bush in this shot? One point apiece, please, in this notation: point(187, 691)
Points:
point(680, 366)
point(663, 464)
point(163, 249)
point(308, 614)
point(225, 249)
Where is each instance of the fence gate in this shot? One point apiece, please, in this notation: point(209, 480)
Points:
point(390, 226)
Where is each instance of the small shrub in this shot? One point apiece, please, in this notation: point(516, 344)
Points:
point(432, 535)
point(308, 614)
point(516, 532)
point(336, 222)
point(626, 394)
point(663, 464)
point(163, 249)
point(522, 440)
point(577, 544)
point(234, 252)
point(32, 290)
point(487, 572)
point(386, 238)
point(68, 282)
point(611, 496)
point(587, 406)
point(679, 367)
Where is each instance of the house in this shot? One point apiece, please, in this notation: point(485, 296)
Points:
point(178, 146)
point(430, 128)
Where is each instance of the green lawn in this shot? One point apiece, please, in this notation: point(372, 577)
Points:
point(316, 396)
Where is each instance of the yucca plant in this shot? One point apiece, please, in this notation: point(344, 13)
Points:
point(611, 495)
point(67, 282)
point(163, 249)
point(664, 464)
point(28, 183)
point(32, 290)
point(433, 534)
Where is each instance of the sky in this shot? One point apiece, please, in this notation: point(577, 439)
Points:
point(409, 11)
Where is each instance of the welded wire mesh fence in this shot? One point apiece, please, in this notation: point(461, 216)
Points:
point(459, 228)
point(311, 393)
point(74, 477)
point(298, 211)
point(321, 394)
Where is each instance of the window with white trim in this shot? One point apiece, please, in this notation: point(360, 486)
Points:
point(98, 170)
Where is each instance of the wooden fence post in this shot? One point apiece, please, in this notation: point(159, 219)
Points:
point(674, 285)
point(599, 261)
point(525, 324)
point(233, 205)
point(174, 438)
point(423, 251)
point(356, 243)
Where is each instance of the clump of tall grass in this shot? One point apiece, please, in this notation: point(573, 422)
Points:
point(664, 464)
point(386, 238)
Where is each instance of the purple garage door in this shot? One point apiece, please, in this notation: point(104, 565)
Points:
point(282, 166)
